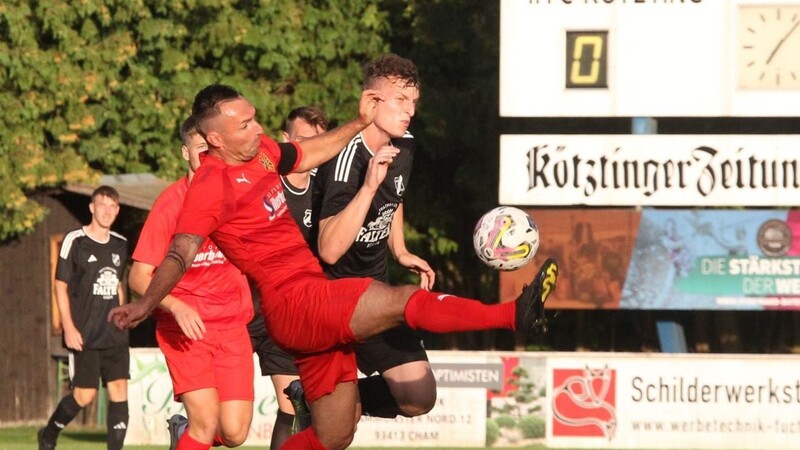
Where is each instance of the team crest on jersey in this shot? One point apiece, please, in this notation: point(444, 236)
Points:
point(266, 162)
point(115, 259)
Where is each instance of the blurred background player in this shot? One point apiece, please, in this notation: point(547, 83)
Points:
point(88, 284)
point(201, 324)
point(301, 124)
point(358, 227)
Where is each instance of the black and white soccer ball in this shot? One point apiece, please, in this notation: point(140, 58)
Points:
point(506, 238)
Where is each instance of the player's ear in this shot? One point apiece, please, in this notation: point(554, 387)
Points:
point(214, 139)
point(185, 152)
point(285, 136)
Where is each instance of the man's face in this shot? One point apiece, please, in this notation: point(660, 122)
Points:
point(104, 211)
point(301, 130)
point(235, 132)
point(394, 114)
point(192, 150)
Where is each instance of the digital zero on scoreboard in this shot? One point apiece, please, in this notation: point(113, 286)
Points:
point(587, 59)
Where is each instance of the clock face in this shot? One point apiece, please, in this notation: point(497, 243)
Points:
point(769, 47)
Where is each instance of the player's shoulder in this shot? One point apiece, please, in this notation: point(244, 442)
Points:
point(352, 155)
point(70, 240)
point(406, 141)
point(114, 236)
point(174, 193)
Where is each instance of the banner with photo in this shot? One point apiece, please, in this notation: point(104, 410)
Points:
point(680, 259)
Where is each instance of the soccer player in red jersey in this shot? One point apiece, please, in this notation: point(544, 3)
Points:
point(301, 123)
point(201, 325)
point(237, 199)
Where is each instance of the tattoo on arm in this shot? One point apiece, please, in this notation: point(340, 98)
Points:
point(175, 257)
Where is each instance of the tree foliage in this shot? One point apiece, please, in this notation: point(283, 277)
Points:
point(101, 86)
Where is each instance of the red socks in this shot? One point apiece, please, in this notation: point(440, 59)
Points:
point(304, 440)
point(445, 313)
point(187, 443)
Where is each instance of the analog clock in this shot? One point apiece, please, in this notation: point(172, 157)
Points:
point(769, 47)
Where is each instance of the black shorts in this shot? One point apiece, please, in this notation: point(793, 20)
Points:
point(272, 359)
point(88, 367)
point(389, 349)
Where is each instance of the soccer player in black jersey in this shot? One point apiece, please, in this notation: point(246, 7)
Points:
point(361, 223)
point(87, 285)
point(301, 123)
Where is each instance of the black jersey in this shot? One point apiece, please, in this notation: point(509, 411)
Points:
point(338, 181)
point(299, 202)
point(93, 271)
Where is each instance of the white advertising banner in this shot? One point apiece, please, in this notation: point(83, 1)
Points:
point(673, 401)
point(650, 170)
point(457, 419)
point(628, 58)
point(562, 400)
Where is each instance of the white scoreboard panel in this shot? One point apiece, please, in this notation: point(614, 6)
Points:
point(649, 58)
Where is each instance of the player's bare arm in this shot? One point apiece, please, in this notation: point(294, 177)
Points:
point(179, 257)
point(338, 232)
point(72, 337)
point(412, 262)
point(325, 146)
point(187, 317)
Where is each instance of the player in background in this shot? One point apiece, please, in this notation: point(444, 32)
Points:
point(317, 320)
point(300, 124)
point(360, 224)
point(87, 285)
point(200, 324)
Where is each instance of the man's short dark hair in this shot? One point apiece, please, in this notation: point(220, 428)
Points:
point(390, 66)
point(311, 114)
point(106, 191)
point(189, 128)
point(207, 101)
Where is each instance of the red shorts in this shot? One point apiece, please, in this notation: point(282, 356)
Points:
point(311, 319)
point(223, 360)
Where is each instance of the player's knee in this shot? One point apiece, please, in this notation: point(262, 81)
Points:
point(235, 440)
point(203, 427)
point(417, 406)
point(234, 434)
point(84, 396)
point(339, 438)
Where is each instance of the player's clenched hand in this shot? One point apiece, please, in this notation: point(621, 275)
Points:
point(188, 319)
point(379, 165)
point(368, 106)
point(128, 316)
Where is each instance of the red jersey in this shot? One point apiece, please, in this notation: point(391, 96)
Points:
point(243, 209)
point(213, 286)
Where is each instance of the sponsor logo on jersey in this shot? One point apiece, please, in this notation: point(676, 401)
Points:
point(208, 257)
point(274, 202)
point(92, 258)
point(106, 284)
point(399, 186)
point(266, 162)
point(378, 229)
point(242, 179)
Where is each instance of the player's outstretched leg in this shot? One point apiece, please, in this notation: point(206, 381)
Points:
point(530, 316)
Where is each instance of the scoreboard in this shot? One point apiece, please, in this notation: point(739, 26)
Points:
point(649, 58)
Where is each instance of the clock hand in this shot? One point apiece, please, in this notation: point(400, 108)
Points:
point(771, 55)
